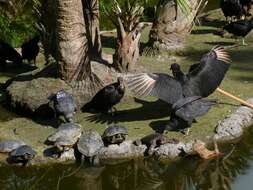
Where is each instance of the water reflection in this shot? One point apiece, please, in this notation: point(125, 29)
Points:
point(188, 174)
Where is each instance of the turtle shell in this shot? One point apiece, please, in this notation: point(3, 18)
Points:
point(114, 130)
point(90, 143)
point(10, 145)
point(67, 131)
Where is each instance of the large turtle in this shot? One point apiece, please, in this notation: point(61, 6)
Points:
point(10, 145)
point(66, 130)
point(64, 104)
point(114, 134)
point(89, 145)
point(22, 154)
point(154, 140)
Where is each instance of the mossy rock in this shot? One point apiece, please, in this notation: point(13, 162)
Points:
point(32, 96)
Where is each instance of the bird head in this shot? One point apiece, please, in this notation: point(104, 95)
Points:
point(175, 68)
point(120, 80)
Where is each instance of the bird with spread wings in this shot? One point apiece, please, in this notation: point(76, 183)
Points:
point(185, 93)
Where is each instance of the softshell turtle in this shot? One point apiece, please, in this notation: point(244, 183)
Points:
point(64, 104)
point(70, 131)
point(10, 145)
point(154, 140)
point(89, 145)
point(114, 134)
point(22, 154)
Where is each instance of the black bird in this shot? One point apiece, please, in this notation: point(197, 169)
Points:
point(240, 28)
point(232, 8)
point(201, 81)
point(246, 4)
point(30, 49)
point(106, 98)
point(8, 53)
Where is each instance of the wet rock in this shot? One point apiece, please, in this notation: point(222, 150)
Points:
point(232, 127)
point(124, 150)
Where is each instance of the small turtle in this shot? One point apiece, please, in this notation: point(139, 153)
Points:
point(89, 145)
point(154, 140)
point(114, 134)
point(64, 104)
point(22, 154)
point(66, 130)
point(10, 145)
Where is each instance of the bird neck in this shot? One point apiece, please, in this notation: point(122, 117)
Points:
point(179, 75)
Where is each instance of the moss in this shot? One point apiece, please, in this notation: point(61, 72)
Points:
point(138, 115)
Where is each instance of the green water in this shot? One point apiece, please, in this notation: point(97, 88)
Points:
point(233, 170)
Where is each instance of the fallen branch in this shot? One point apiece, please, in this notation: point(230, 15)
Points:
point(235, 98)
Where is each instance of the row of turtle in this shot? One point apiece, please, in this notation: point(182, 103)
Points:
point(70, 138)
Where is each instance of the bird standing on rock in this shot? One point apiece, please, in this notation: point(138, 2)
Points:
point(106, 98)
point(30, 49)
point(184, 92)
point(240, 28)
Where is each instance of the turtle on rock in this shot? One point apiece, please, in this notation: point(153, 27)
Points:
point(65, 137)
point(89, 145)
point(115, 134)
point(155, 140)
point(23, 154)
point(10, 145)
point(64, 104)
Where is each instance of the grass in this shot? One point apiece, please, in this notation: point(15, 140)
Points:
point(139, 115)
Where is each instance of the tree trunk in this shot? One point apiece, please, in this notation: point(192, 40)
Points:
point(127, 49)
point(73, 59)
point(91, 16)
point(47, 24)
point(171, 25)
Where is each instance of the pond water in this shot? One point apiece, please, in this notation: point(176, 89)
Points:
point(233, 170)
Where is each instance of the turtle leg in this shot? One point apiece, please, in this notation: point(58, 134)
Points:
point(95, 161)
point(152, 148)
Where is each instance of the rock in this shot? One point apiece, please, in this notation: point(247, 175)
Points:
point(124, 150)
point(232, 127)
point(170, 151)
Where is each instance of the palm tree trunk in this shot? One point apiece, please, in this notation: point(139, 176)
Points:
point(171, 24)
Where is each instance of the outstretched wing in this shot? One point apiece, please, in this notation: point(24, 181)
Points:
point(160, 85)
point(207, 76)
point(195, 108)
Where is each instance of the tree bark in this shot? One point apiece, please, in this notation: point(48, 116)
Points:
point(72, 57)
point(91, 16)
point(171, 25)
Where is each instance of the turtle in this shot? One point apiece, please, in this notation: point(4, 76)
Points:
point(89, 145)
point(115, 134)
point(154, 140)
point(23, 154)
point(66, 130)
point(63, 145)
point(10, 145)
point(64, 104)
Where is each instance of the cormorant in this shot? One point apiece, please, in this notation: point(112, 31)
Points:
point(231, 8)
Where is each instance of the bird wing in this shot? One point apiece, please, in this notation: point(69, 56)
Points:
point(207, 76)
point(160, 85)
point(194, 109)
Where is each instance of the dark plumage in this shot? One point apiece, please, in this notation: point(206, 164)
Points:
point(240, 28)
point(106, 98)
point(64, 104)
point(200, 82)
point(8, 53)
point(231, 8)
point(30, 49)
